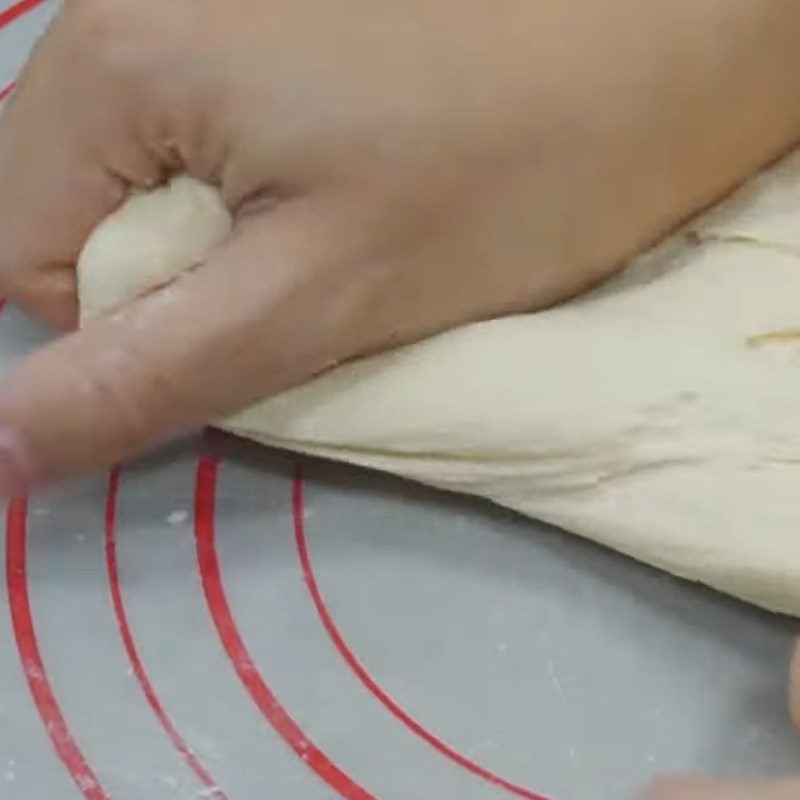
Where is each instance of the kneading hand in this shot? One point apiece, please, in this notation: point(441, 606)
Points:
point(705, 789)
point(701, 789)
point(393, 169)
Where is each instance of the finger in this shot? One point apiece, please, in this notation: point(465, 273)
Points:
point(794, 687)
point(50, 198)
point(68, 151)
point(703, 789)
point(271, 308)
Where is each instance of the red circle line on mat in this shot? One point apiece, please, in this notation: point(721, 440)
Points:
point(31, 658)
point(17, 10)
point(9, 15)
point(236, 649)
point(186, 753)
point(360, 671)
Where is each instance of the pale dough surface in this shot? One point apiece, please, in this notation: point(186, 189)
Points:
point(651, 415)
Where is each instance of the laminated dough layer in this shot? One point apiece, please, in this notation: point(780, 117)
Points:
point(659, 414)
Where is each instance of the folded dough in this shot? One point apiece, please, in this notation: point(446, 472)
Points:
point(659, 414)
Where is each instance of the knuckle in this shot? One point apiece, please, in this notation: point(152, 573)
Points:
point(76, 406)
point(98, 18)
point(114, 385)
point(107, 36)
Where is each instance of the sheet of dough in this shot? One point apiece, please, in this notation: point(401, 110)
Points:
point(647, 415)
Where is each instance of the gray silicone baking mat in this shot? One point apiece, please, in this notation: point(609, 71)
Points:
point(224, 621)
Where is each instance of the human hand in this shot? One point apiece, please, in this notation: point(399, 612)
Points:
point(394, 169)
point(704, 789)
point(701, 789)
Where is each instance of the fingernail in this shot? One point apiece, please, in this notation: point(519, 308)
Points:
point(17, 472)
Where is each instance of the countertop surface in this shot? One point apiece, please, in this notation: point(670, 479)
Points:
point(224, 621)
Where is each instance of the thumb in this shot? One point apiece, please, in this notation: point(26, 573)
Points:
point(269, 309)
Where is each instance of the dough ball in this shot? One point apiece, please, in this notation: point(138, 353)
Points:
point(149, 240)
